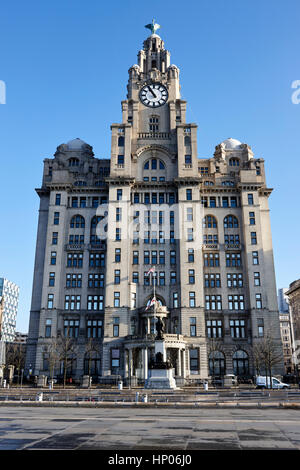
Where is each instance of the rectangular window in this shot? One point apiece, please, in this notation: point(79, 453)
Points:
point(162, 257)
point(48, 328)
point(234, 280)
point(83, 202)
point(118, 255)
point(115, 361)
point(56, 218)
point(250, 199)
point(54, 238)
point(116, 299)
point(189, 214)
point(135, 277)
point(212, 280)
point(260, 327)
point(119, 194)
point(191, 276)
point(233, 259)
point(190, 235)
point(146, 257)
point(173, 277)
point(135, 257)
point(172, 257)
point(252, 218)
point(116, 325)
point(191, 255)
point(136, 198)
point(188, 159)
point(213, 302)
point(189, 195)
point(193, 326)
point(95, 302)
point(211, 259)
point(97, 260)
point(120, 159)
point(212, 202)
point(94, 328)
point(118, 214)
point(175, 299)
point(74, 201)
point(253, 238)
point(154, 257)
point(53, 258)
point(236, 302)
point(51, 279)
point(237, 328)
point(50, 301)
point(194, 361)
point(214, 328)
point(257, 279)
point(162, 278)
point(255, 257)
point(71, 328)
point(117, 276)
point(57, 199)
point(258, 301)
point(118, 234)
point(192, 299)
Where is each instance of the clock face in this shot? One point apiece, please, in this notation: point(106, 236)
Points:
point(154, 95)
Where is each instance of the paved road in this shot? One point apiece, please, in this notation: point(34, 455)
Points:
point(148, 429)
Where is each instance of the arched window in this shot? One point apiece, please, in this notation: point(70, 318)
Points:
point(77, 221)
point(73, 162)
point(230, 221)
point(94, 236)
point(234, 162)
point(216, 363)
point(240, 363)
point(121, 141)
point(210, 221)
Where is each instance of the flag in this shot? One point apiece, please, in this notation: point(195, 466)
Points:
point(153, 301)
point(151, 270)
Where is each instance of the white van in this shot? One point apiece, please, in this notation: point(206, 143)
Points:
point(263, 382)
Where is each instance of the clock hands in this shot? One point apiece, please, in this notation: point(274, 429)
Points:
point(152, 92)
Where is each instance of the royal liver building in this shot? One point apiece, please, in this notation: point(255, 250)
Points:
point(154, 231)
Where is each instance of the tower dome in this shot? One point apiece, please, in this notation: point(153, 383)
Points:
point(75, 144)
point(231, 143)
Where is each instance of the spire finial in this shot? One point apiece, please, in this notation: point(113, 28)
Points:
point(153, 26)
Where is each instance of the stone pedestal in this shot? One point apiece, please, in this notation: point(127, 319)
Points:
point(161, 373)
point(161, 379)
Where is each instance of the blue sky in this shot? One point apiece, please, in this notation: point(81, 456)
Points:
point(65, 65)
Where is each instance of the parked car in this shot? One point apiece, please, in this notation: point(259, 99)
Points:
point(264, 382)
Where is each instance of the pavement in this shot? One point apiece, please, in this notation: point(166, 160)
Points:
point(155, 428)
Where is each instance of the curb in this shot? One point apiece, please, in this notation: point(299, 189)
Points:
point(222, 405)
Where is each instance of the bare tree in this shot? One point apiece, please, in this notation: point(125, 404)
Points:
point(67, 348)
point(15, 356)
point(267, 354)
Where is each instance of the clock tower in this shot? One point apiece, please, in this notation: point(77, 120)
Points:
point(153, 185)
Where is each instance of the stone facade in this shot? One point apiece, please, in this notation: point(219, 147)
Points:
point(202, 223)
point(293, 294)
